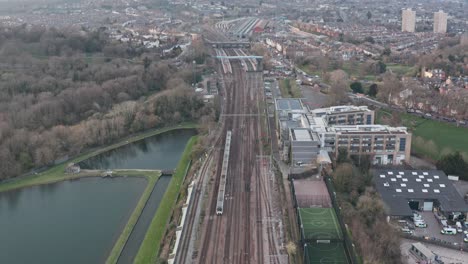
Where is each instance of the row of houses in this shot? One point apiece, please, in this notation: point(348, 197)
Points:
point(308, 136)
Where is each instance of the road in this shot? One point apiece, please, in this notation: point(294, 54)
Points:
point(250, 229)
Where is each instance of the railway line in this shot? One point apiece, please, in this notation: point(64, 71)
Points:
point(247, 230)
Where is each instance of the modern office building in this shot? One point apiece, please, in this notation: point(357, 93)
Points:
point(440, 22)
point(346, 115)
point(305, 146)
point(408, 20)
point(384, 144)
point(304, 134)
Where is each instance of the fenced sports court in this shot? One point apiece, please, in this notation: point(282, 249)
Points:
point(311, 193)
point(322, 235)
point(325, 253)
point(320, 224)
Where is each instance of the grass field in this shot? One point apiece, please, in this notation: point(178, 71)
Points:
point(401, 69)
point(149, 249)
point(432, 139)
point(320, 224)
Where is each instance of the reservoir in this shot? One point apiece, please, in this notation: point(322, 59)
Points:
point(68, 222)
point(79, 221)
point(162, 151)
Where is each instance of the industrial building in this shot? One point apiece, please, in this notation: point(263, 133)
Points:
point(406, 190)
point(408, 20)
point(440, 22)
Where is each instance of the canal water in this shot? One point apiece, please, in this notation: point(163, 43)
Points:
point(79, 221)
point(162, 151)
point(71, 222)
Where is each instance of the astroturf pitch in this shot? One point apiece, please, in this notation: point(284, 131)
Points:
point(326, 253)
point(320, 224)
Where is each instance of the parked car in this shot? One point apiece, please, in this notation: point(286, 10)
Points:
point(465, 238)
point(448, 231)
point(459, 227)
point(420, 224)
point(407, 231)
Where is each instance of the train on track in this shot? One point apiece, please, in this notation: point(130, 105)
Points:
point(222, 182)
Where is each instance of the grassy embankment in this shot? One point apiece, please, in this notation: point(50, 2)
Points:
point(431, 139)
point(152, 178)
point(149, 249)
point(56, 173)
point(289, 89)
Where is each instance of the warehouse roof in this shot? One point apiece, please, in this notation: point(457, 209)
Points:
point(398, 187)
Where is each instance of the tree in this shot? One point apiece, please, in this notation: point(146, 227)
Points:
point(369, 15)
point(356, 87)
point(454, 164)
point(372, 90)
point(390, 88)
point(386, 52)
point(381, 67)
point(369, 39)
point(338, 86)
point(342, 155)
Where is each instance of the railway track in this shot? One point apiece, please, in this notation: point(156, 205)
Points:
point(243, 233)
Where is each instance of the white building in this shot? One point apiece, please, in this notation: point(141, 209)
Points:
point(440, 22)
point(408, 20)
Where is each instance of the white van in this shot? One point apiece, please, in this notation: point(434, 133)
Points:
point(448, 231)
point(459, 227)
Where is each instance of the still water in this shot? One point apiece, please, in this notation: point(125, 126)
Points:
point(78, 222)
point(67, 222)
point(162, 151)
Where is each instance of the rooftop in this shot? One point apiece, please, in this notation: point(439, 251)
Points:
point(367, 129)
point(398, 187)
point(303, 134)
point(289, 105)
point(340, 109)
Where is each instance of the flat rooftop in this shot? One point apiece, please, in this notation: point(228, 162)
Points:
point(340, 109)
point(289, 104)
point(368, 129)
point(398, 187)
point(303, 134)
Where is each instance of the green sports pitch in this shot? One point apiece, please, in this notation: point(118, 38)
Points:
point(325, 253)
point(320, 224)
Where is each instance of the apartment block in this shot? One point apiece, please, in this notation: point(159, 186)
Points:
point(346, 115)
point(440, 22)
point(385, 144)
point(408, 20)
